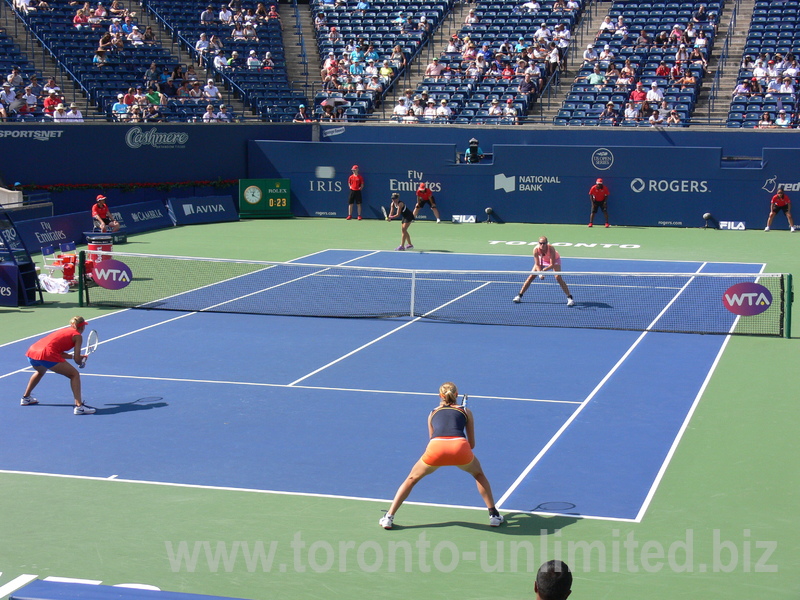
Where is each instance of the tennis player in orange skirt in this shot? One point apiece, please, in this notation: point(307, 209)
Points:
point(452, 438)
point(51, 352)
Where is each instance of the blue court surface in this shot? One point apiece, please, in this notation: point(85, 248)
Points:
point(577, 421)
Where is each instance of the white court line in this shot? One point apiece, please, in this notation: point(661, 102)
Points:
point(285, 493)
point(16, 583)
point(387, 334)
point(318, 387)
point(583, 405)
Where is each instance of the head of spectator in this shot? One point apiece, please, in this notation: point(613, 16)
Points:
point(553, 581)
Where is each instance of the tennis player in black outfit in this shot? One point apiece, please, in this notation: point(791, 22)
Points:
point(400, 210)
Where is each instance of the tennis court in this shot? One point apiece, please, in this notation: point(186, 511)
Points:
point(575, 424)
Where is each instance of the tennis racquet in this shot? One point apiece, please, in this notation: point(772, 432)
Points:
point(385, 214)
point(464, 401)
point(92, 341)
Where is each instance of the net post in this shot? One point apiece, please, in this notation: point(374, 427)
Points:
point(81, 276)
point(413, 291)
point(789, 298)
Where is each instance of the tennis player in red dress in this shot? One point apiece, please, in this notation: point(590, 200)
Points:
point(545, 258)
point(598, 194)
point(452, 437)
point(780, 202)
point(51, 352)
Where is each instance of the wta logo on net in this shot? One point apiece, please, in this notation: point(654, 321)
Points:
point(112, 274)
point(747, 299)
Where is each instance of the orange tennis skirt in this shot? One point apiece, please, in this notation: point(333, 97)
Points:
point(448, 452)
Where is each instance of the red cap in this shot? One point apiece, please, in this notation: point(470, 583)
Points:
point(599, 181)
point(354, 167)
point(422, 185)
point(100, 197)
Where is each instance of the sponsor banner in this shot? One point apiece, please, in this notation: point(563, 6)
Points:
point(145, 216)
point(205, 209)
point(464, 219)
point(732, 225)
point(9, 279)
point(747, 299)
point(133, 218)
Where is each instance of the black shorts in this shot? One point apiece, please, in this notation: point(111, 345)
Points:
point(776, 209)
point(602, 205)
point(421, 202)
point(103, 220)
point(355, 197)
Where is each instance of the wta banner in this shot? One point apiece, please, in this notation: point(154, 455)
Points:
point(204, 209)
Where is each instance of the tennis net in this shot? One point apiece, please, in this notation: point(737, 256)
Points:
point(707, 303)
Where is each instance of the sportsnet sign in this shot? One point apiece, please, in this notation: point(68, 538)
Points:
point(112, 274)
point(747, 299)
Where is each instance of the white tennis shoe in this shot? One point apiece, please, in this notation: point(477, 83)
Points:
point(387, 521)
point(496, 520)
point(517, 299)
point(570, 302)
point(83, 410)
point(28, 401)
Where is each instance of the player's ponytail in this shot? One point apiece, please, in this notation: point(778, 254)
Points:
point(449, 392)
point(76, 322)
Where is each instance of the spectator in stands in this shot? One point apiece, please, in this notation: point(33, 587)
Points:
point(370, 70)
point(655, 94)
point(688, 81)
point(638, 95)
point(225, 15)
point(234, 62)
point(119, 111)
point(195, 92)
point(224, 115)
point(631, 113)
point(792, 69)
point(105, 42)
point(589, 56)
point(7, 95)
point(153, 114)
point(220, 62)
point(250, 32)
point(135, 37)
point(609, 114)
point(656, 118)
point(606, 53)
point(495, 110)
point(553, 60)
point(115, 27)
point(117, 10)
point(253, 62)
point(238, 34)
point(553, 581)
point(182, 93)
point(207, 16)
point(36, 87)
point(742, 89)
point(443, 111)
point(607, 26)
point(400, 110)
point(510, 114)
point(701, 43)
point(773, 87)
point(682, 55)
point(531, 7)
point(787, 87)
point(471, 18)
point(3, 113)
point(661, 40)
point(765, 122)
point(81, 21)
point(201, 48)
point(99, 59)
point(74, 114)
point(700, 15)
point(320, 21)
point(559, 6)
point(191, 74)
point(51, 85)
point(50, 102)
point(562, 38)
point(209, 116)
point(127, 25)
point(60, 114)
point(760, 72)
point(674, 118)
point(154, 96)
point(543, 35)
point(595, 78)
point(783, 120)
point(150, 75)
point(644, 40)
point(374, 85)
point(527, 88)
point(327, 114)
point(130, 97)
point(303, 116)
point(211, 91)
point(15, 77)
point(31, 100)
point(662, 70)
point(430, 110)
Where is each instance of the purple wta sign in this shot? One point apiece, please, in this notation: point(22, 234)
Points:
point(747, 299)
point(112, 274)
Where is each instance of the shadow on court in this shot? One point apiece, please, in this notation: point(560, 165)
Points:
point(140, 404)
point(516, 524)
